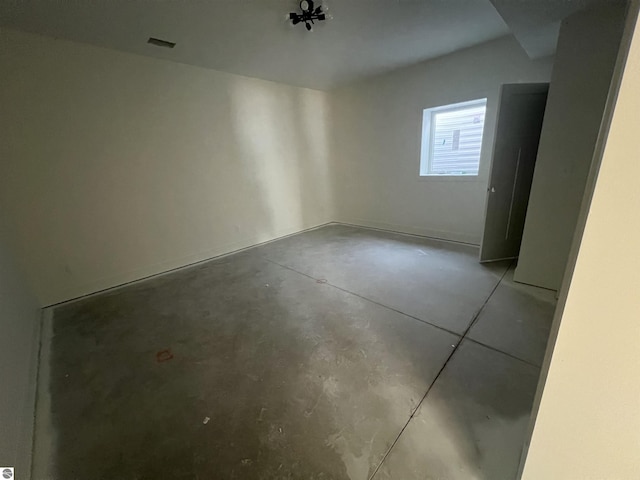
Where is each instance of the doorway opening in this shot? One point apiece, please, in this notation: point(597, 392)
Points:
point(520, 115)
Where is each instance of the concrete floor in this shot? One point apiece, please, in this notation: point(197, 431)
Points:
point(313, 357)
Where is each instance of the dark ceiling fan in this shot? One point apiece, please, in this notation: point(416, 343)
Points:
point(309, 13)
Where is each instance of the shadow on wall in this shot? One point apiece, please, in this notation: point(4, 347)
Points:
point(118, 166)
point(313, 116)
point(281, 139)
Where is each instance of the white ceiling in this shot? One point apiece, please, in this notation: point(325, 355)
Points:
point(536, 23)
point(252, 37)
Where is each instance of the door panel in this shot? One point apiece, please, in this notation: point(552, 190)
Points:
point(520, 115)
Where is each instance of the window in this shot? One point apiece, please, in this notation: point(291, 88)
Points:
point(452, 138)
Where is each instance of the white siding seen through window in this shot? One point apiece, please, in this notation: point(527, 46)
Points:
point(452, 139)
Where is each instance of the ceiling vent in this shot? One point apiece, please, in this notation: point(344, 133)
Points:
point(161, 43)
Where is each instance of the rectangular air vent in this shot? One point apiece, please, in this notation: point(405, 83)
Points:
point(161, 43)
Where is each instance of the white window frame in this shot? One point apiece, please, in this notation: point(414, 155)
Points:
point(426, 150)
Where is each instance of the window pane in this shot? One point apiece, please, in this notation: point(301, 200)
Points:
point(456, 141)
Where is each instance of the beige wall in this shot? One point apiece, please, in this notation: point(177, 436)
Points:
point(585, 58)
point(377, 135)
point(117, 166)
point(588, 422)
point(19, 316)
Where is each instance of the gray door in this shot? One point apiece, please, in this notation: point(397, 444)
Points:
point(520, 115)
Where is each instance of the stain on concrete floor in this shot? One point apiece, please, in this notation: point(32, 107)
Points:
point(299, 379)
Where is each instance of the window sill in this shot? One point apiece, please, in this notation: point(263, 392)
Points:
point(449, 178)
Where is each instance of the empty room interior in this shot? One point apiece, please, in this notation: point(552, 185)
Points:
point(357, 239)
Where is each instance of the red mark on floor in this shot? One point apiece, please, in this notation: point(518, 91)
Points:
point(321, 280)
point(163, 356)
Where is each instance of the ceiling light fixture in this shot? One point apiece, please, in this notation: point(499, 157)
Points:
point(308, 15)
